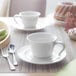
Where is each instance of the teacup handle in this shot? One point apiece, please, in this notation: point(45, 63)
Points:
point(16, 17)
point(63, 46)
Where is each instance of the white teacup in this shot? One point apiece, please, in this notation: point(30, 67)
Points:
point(29, 18)
point(42, 44)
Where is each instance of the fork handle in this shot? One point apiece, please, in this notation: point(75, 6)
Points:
point(12, 67)
point(14, 60)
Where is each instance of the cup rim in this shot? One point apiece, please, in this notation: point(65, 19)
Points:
point(30, 35)
point(30, 13)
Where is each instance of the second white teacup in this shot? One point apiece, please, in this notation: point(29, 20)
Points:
point(42, 44)
point(29, 18)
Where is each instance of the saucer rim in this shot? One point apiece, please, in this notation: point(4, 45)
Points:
point(33, 29)
point(27, 29)
point(39, 63)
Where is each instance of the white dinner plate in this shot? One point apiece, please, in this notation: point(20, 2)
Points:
point(42, 23)
point(26, 55)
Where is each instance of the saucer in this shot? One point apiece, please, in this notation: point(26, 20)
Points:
point(26, 55)
point(42, 23)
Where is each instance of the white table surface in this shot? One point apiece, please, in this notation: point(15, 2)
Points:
point(19, 39)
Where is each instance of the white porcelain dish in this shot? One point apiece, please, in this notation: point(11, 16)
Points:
point(42, 23)
point(26, 55)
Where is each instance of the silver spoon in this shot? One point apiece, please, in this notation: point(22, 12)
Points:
point(5, 55)
point(12, 51)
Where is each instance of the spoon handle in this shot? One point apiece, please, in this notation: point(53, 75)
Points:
point(14, 60)
point(10, 64)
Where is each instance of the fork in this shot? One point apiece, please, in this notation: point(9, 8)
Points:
point(6, 56)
